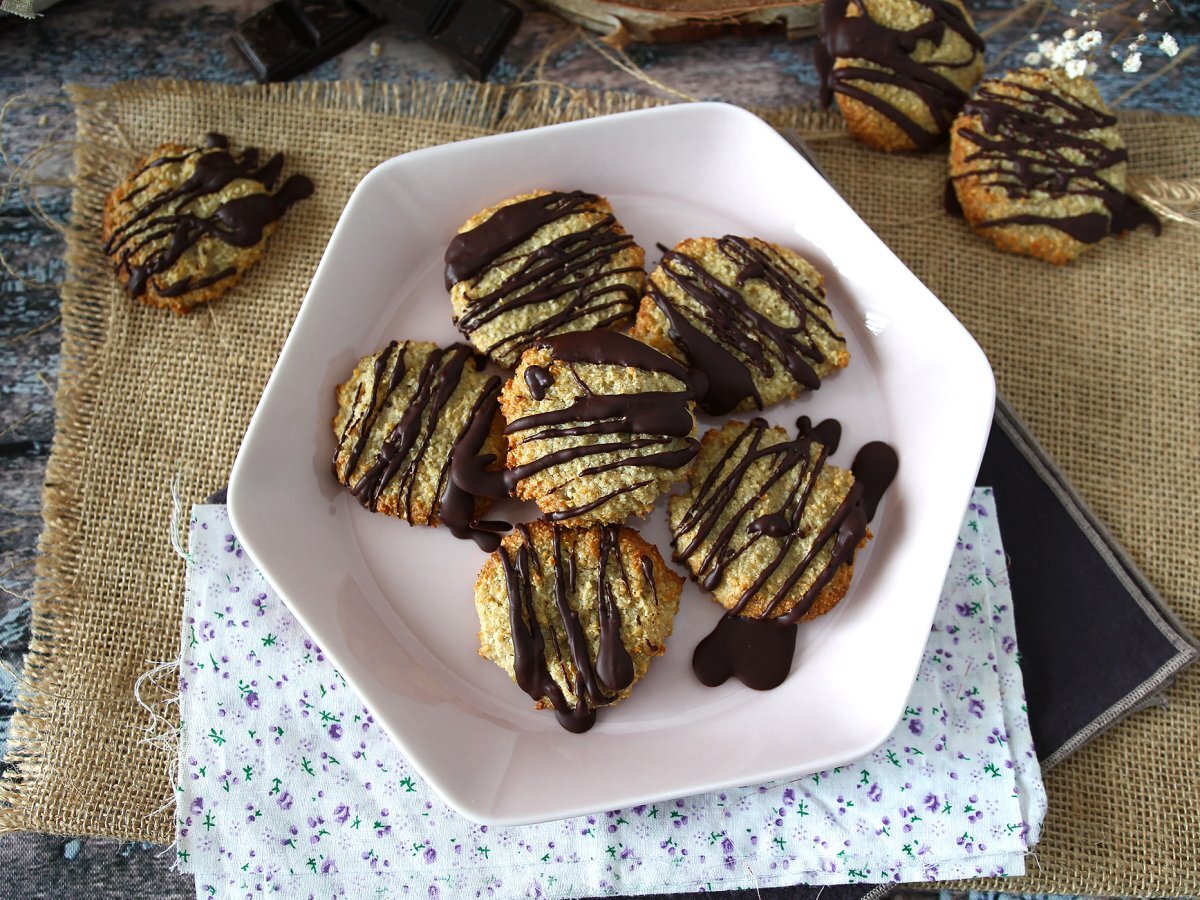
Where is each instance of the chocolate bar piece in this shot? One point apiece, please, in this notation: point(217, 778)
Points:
point(471, 33)
point(292, 36)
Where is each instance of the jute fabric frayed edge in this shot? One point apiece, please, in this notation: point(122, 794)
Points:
point(83, 763)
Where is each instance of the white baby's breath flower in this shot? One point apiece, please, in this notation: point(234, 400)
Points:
point(1076, 50)
point(1063, 53)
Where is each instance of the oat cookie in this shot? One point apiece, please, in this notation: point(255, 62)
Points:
point(401, 417)
point(768, 524)
point(574, 615)
point(1038, 166)
point(751, 316)
point(899, 69)
point(185, 226)
point(599, 426)
point(540, 264)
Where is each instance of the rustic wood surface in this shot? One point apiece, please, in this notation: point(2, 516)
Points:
point(99, 43)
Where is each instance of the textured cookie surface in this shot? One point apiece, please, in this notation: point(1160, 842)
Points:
point(599, 426)
point(574, 615)
point(1038, 165)
point(748, 314)
point(400, 417)
point(540, 264)
point(185, 226)
point(899, 69)
point(768, 525)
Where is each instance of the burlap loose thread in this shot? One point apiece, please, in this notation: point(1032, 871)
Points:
point(1101, 358)
point(1177, 200)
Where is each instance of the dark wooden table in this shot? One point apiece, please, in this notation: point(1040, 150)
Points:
point(99, 43)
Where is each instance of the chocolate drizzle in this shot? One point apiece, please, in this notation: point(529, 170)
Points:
point(1039, 141)
point(538, 380)
point(571, 277)
point(405, 447)
point(737, 341)
point(165, 226)
point(747, 648)
point(862, 38)
point(638, 422)
point(595, 679)
point(663, 417)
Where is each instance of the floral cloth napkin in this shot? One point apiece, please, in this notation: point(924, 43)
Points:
point(288, 786)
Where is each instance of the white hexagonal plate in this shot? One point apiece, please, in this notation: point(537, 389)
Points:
point(392, 605)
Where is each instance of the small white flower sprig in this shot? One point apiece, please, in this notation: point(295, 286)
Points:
point(1076, 50)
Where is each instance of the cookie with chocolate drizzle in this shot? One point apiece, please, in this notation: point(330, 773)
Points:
point(188, 223)
point(575, 615)
point(750, 315)
point(1037, 166)
point(900, 70)
point(771, 528)
point(599, 426)
point(540, 264)
point(403, 416)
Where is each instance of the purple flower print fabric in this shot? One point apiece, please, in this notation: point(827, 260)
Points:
point(288, 786)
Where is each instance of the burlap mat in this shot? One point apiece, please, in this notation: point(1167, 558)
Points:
point(1101, 358)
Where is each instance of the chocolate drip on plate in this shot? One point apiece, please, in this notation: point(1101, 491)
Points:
point(1039, 142)
point(598, 679)
point(861, 38)
point(756, 652)
point(736, 340)
point(749, 648)
point(166, 218)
